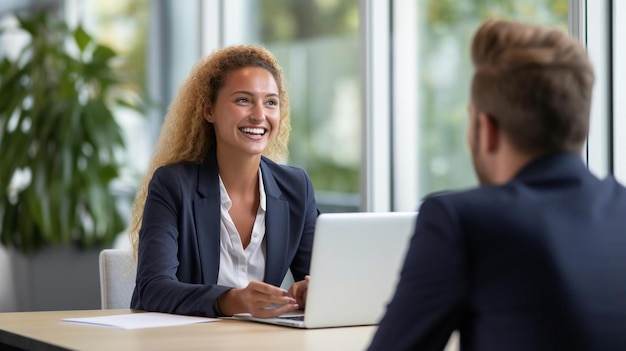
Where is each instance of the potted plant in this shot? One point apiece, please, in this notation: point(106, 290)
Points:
point(59, 139)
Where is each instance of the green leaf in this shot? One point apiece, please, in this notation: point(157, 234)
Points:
point(10, 222)
point(4, 67)
point(29, 25)
point(103, 53)
point(82, 38)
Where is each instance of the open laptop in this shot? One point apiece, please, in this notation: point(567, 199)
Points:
point(355, 266)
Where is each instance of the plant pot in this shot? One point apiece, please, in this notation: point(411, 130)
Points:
point(56, 278)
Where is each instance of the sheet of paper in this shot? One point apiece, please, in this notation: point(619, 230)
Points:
point(141, 320)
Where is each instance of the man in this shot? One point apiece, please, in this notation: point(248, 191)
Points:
point(535, 258)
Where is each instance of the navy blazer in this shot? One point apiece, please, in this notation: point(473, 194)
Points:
point(536, 264)
point(179, 240)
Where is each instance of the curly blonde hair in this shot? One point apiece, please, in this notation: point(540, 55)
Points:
point(187, 137)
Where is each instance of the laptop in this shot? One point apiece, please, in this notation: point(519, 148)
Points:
point(355, 266)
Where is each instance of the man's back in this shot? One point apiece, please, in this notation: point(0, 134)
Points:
point(548, 257)
point(536, 264)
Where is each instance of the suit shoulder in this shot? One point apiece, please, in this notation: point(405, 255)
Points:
point(614, 184)
point(182, 168)
point(482, 197)
point(285, 172)
point(179, 172)
point(456, 195)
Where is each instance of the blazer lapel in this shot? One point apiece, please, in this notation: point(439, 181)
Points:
point(207, 219)
point(276, 229)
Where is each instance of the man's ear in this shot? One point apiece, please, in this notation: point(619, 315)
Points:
point(491, 132)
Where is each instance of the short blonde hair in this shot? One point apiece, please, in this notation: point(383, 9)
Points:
point(187, 137)
point(536, 84)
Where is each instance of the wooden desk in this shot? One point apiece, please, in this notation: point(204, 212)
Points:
point(46, 331)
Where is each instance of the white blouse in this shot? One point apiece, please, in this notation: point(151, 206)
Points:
point(239, 266)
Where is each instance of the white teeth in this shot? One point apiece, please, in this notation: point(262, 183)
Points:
point(258, 131)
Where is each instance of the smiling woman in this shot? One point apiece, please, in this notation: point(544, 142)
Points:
point(216, 224)
point(245, 115)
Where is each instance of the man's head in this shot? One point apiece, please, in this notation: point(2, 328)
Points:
point(532, 85)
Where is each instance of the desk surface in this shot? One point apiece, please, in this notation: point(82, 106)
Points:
point(46, 331)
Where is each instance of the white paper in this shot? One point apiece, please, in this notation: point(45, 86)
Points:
point(141, 320)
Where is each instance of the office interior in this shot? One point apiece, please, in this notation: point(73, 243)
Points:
point(378, 91)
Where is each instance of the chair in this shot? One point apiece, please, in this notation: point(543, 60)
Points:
point(117, 278)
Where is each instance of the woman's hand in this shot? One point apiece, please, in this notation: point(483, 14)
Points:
point(298, 291)
point(259, 299)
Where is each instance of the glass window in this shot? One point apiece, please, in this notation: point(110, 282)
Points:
point(443, 72)
point(597, 39)
point(619, 81)
point(122, 25)
point(316, 43)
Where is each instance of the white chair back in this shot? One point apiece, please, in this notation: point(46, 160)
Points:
point(117, 278)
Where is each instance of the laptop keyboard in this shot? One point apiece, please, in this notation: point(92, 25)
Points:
point(293, 318)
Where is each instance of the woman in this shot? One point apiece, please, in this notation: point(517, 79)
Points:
point(216, 225)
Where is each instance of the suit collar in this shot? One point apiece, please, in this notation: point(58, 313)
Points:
point(271, 188)
point(559, 166)
point(208, 181)
point(276, 227)
point(207, 218)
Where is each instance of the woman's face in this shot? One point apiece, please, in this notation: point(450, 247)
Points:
point(246, 112)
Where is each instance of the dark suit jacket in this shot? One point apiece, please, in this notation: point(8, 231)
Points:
point(536, 264)
point(179, 241)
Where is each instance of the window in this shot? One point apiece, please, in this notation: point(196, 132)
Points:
point(122, 25)
point(619, 90)
point(316, 43)
point(432, 98)
point(596, 35)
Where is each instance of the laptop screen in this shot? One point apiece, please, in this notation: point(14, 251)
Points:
point(355, 266)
